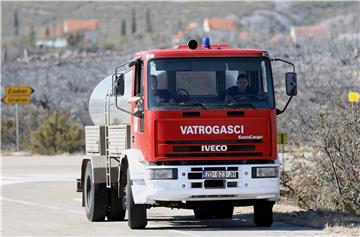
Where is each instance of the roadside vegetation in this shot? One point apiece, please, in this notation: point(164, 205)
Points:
point(330, 221)
point(330, 179)
point(57, 134)
point(325, 182)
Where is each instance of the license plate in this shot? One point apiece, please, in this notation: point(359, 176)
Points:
point(219, 174)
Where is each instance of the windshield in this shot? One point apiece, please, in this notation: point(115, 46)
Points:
point(210, 83)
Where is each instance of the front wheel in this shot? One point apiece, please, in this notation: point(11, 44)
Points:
point(136, 212)
point(263, 214)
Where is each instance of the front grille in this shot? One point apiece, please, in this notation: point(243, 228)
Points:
point(211, 162)
point(214, 168)
point(194, 175)
point(212, 196)
point(214, 183)
point(199, 148)
point(214, 154)
point(236, 113)
point(231, 184)
point(191, 114)
point(196, 185)
point(202, 142)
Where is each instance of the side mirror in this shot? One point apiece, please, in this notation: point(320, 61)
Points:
point(119, 85)
point(133, 62)
point(291, 84)
point(139, 114)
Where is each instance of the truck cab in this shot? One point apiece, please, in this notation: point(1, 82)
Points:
point(200, 134)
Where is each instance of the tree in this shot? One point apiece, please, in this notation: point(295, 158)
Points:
point(133, 21)
point(57, 133)
point(16, 23)
point(32, 35)
point(8, 138)
point(123, 27)
point(148, 21)
point(333, 130)
point(47, 32)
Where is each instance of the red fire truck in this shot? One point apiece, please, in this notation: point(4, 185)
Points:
point(176, 128)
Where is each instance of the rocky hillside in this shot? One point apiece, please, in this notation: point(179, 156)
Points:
point(63, 79)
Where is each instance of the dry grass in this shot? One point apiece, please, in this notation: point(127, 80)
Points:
point(340, 229)
point(332, 222)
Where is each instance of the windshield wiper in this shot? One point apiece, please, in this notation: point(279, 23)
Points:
point(193, 104)
point(243, 105)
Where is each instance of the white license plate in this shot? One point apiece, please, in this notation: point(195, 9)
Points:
point(219, 174)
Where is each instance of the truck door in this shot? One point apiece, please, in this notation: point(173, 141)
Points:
point(137, 138)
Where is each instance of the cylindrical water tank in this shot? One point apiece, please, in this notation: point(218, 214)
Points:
point(98, 98)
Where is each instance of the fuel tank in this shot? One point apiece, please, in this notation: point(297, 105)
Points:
point(97, 102)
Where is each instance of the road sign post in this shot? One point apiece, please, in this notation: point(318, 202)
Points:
point(17, 126)
point(15, 95)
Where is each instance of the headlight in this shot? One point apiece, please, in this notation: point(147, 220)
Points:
point(162, 174)
point(265, 172)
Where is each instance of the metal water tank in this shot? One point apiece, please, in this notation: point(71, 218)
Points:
point(98, 98)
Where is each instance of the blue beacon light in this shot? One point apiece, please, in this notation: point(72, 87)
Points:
point(206, 42)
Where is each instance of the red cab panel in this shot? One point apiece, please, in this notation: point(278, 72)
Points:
point(213, 135)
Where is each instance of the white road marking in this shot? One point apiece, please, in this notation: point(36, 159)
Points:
point(51, 207)
point(183, 233)
point(18, 201)
point(77, 199)
point(7, 180)
point(43, 206)
point(77, 212)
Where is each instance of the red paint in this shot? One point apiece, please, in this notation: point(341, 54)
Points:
point(164, 126)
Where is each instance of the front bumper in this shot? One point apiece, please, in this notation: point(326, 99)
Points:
point(183, 189)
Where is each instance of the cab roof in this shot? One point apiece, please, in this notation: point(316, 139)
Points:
point(222, 50)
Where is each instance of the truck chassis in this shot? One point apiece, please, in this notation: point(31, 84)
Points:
point(114, 180)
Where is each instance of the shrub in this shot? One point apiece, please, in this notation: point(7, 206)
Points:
point(57, 133)
point(8, 137)
point(330, 177)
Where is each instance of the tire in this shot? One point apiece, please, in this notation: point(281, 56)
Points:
point(263, 214)
point(136, 212)
point(116, 210)
point(95, 197)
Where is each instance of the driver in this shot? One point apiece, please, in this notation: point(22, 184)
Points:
point(159, 96)
point(241, 88)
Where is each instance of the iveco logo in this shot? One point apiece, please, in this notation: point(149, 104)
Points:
point(214, 148)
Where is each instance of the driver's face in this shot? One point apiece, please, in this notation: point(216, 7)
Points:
point(242, 84)
point(153, 84)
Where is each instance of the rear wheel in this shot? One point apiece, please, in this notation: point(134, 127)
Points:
point(136, 212)
point(263, 214)
point(95, 196)
point(116, 210)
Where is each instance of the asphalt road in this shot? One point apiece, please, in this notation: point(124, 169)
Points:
point(39, 198)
